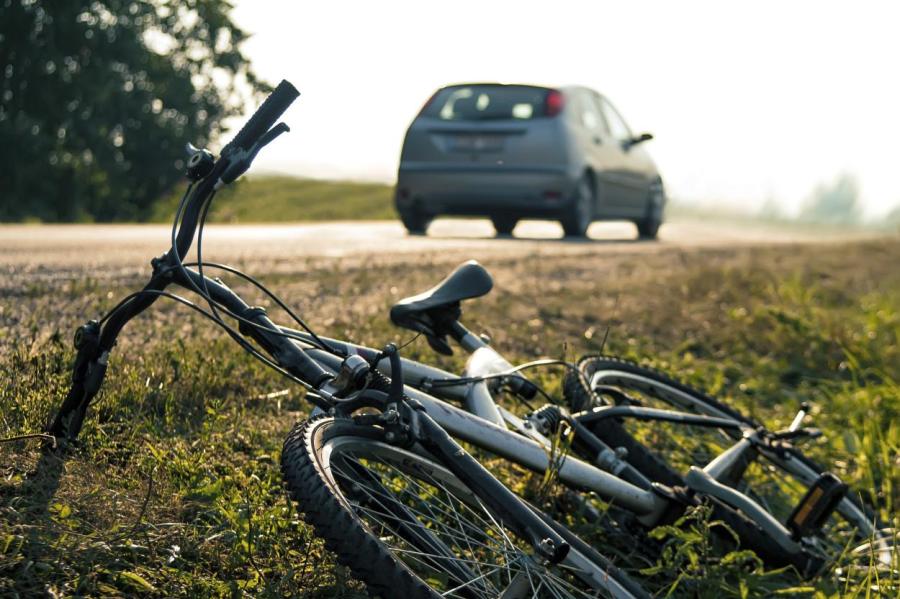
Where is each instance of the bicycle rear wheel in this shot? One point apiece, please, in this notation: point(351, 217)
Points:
point(662, 452)
point(408, 528)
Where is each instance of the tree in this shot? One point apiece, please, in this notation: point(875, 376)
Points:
point(892, 218)
point(98, 98)
point(834, 203)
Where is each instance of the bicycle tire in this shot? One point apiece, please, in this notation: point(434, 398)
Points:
point(316, 451)
point(581, 398)
point(614, 434)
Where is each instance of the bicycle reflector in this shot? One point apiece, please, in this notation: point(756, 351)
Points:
point(819, 502)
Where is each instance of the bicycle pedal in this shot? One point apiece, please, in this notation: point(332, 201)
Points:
point(820, 501)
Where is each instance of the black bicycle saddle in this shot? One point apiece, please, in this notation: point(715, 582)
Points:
point(433, 312)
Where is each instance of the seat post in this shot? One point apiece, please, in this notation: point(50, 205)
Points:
point(466, 338)
point(486, 361)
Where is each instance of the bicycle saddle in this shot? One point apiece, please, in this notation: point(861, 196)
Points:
point(433, 312)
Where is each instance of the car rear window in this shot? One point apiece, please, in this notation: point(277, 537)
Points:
point(488, 102)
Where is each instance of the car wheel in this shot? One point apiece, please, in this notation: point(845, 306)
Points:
point(504, 224)
point(415, 222)
point(580, 213)
point(648, 227)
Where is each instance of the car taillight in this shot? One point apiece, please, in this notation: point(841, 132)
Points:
point(428, 103)
point(553, 103)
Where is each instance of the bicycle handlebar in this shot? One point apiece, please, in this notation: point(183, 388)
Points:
point(259, 124)
point(264, 117)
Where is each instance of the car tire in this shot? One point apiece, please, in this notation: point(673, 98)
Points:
point(648, 227)
point(580, 212)
point(415, 222)
point(504, 225)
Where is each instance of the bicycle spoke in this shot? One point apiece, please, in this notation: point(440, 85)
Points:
point(372, 494)
point(431, 527)
point(422, 488)
point(474, 580)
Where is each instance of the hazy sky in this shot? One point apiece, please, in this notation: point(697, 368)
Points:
point(747, 101)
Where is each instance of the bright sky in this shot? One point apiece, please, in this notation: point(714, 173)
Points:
point(747, 101)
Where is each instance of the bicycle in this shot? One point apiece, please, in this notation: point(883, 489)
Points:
point(379, 470)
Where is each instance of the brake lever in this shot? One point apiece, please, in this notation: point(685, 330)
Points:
point(268, 138)
point(240, 161)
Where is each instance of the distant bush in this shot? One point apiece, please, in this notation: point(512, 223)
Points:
point(835, 203)
point(892, 218)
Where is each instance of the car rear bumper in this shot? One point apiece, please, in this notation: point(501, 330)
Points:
point(484, 190)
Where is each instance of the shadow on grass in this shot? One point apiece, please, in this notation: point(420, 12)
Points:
point(25, 506)
point(37, 489)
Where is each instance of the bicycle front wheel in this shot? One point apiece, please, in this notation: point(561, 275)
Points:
point(408, 528)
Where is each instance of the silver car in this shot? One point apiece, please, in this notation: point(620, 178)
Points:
point(510, 152)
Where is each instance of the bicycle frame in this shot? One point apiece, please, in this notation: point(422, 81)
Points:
point(508, 438)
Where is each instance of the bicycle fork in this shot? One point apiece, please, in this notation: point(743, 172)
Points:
point(87, 377)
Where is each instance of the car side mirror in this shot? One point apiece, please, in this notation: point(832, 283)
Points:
point(639, 139)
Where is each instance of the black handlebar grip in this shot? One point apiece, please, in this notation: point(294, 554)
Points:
point(264, 117)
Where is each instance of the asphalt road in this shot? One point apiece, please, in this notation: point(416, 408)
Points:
point(116, 249)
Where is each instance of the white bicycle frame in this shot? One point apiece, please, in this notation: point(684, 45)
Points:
point(489, 426)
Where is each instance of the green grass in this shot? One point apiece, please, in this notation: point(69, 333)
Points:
point(176, 488)
point(286, 199)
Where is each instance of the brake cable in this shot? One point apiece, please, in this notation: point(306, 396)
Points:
point(477, 379)
point(221, 323)
point(281, 304)
point(205, 295)
point(448, 382)
point(235, 335)
point(214, 316)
